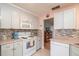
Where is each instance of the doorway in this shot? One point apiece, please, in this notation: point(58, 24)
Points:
point(48, 32)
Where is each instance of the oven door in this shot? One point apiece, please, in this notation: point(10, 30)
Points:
point(27, 49)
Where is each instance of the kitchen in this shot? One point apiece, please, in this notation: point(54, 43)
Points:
point(22, 31)
point(19, 31)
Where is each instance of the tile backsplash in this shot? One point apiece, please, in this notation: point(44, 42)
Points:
point(67, 32)
point(8, 32)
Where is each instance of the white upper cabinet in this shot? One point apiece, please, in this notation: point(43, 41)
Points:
point(15, 19)
point(34, 22)
point(5, 16)
point(65, 19)
point(69, 19)
point(59, 20)
point(28, 21)
point(37, 23)
point(24, 21)
point(9, 17)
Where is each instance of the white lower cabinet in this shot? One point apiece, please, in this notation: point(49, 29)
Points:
point(18, 48)
point(7, 50)
point(25, 52)
point(59, 49)
point(38, 43)
point(12, 49)
point(74, 51)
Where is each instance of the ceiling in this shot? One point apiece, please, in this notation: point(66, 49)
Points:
point(37, 8)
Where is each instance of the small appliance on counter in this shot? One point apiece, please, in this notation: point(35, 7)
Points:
point(15, 35)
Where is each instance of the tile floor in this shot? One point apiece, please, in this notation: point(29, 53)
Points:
point(42, 52)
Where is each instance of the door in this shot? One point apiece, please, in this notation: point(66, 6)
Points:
point(18, 47)
point(69, 19)
point(59, 49)
point(7, 50)
point(59, 20)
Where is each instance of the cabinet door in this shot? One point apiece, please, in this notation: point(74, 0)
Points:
point(38, 43)
point(24, 22)
point(6, 16)
point(74, 51)
point(15, 19)
point(18, 48)
point(25, 50)
point(58, 20)
point(59, 49)
point(69, 19)
point(7, 50)
point(34, 22)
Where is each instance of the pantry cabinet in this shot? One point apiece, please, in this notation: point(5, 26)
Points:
point(65, 19)
point(59, 49)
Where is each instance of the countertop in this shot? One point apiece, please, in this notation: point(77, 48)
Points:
point(8, 41)
point(66, 40)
